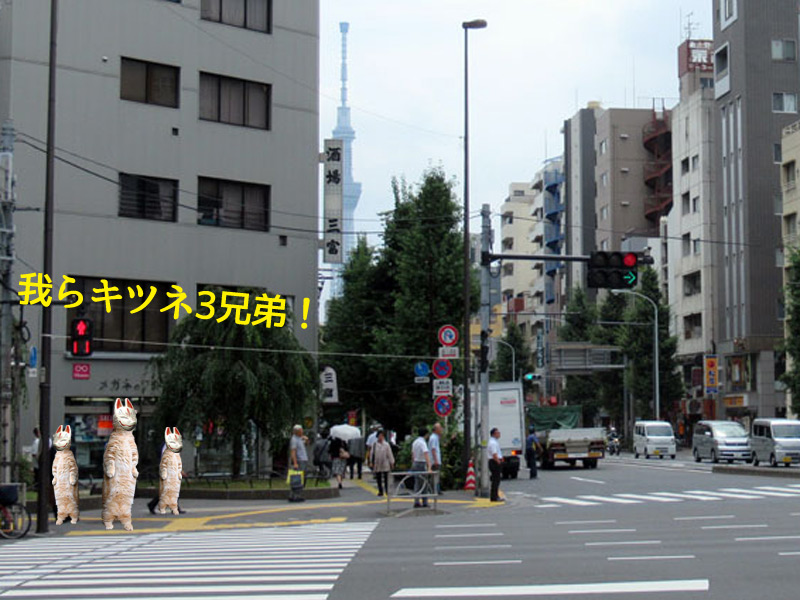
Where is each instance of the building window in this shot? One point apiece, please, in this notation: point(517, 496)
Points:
point(696, 204)
point(783, 102)
point(685, 203)
point(604, 213)
point(604, 179)
point(693, 326)
point(784, 50)
point(508, 269)
point(250, 14)
point(789, 175)
point(692, 284)
point(604, 245)
point(147, 197)
point(235, 101)
point(119, 330)
point(790, 225)
point(686, 244)
point(519, 192)
point(508, 218)
point(706, 82)
point(777, 153)
point(695, 162)
point(151, 83)
point(729, 9)
point(721, 62)
point(603, 147)
point(233, 204)
point(696, 246)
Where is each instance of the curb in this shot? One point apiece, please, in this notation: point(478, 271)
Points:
point(757, 471)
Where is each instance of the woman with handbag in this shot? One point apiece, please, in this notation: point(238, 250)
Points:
point(382, 462)
point(339, 456)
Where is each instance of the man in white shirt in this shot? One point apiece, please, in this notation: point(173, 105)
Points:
point(495, 455)
point(436, 451)
point(371, 439)
point(420, 461)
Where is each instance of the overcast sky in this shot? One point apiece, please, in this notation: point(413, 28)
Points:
point(536, 63)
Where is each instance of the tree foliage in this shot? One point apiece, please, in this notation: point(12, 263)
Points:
point(791, 378)
point(579, 322)
point(507, 360)
point(233, 375)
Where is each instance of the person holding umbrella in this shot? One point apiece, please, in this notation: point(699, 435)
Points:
point(339, 450)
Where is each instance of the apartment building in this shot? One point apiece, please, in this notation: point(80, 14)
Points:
point(187, 136)
point(756, 81)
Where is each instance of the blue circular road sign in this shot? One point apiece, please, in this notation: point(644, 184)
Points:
point(421, 369)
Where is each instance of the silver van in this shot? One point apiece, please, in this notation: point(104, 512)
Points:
point(776, 441)
point(720, 440)
point(653, 438)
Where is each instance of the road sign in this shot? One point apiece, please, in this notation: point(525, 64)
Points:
point(448, 335)
point(33, 357)
point(32, 372)
point(421, 369)
point(442, 369)
point(448, 352)
point(443, 406)
point(442, 387)
point(712, 374)
point(81, 371)
point(422, 379)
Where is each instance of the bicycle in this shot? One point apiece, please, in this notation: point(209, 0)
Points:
point(15, 520)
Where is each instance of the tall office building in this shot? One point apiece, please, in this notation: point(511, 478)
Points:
point(189, 139)
point(756, 81)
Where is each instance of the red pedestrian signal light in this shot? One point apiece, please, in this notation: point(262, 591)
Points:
point(612, 270)
point(81, 337)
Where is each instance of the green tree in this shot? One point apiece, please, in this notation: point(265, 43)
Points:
point(234, 375)
point(791, 378)
point(610, 384)
point(579, 323)
point(505, 358)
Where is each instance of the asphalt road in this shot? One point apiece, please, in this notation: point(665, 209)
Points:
point(657, 529)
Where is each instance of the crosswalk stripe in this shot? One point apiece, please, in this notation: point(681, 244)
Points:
point(571, 501)
point(779, 489)
point(611, 499)
point(727, 495)
point(646, 497)
point(685, 496)
point(759, 492)
point(182, 589)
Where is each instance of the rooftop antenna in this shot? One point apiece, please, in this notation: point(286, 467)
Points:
point(690, 26)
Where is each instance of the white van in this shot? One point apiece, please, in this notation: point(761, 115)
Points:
point(653, 438)
point(776, 441)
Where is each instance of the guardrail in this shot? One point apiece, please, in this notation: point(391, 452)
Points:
point(416, 485)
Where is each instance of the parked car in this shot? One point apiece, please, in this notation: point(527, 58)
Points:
point(776, 441)
point(720, 440)
point(653, 438)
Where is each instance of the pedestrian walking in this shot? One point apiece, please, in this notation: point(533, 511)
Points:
point(339, 455)
point(420, 462)
point(356, 460)
point(322, 455)
point(298, 460)
point(154, 502)
point(382, 462)
point(35, 447)
point(495, 455)
point(532, 449)
point(371, 439)
point(434, 444)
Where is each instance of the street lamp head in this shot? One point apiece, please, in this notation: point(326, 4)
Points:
point(476, 24)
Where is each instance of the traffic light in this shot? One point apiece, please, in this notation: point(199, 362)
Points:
point(531, 377)
point(81, 333)
point(613, 270)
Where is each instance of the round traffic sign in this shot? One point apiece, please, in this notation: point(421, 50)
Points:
point(448, 335)
point(443, 406)
point(442, 369)
point(421, 369)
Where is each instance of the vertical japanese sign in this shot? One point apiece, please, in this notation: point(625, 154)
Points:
point(712, 374)
point(333, 198)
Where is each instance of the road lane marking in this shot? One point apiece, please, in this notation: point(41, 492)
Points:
point(761, 526)
point(588, 480)
point(546, 505)
point(611, 499)
point(768, 538)
point(759, 492)
point(775, 488)
point(673, 557)
point(571, 501)
point(601, 531)
point(704, 517)
point(87, 592)
point(463, 535)
point(466, 525)
point(726, 495)
point(197, 580)
point(476, 562)
point(646, 497)
point(606, 588)
point(788, 553)
point(490, 546)
point(630, 543)
point(686, 496)
point(596, 522)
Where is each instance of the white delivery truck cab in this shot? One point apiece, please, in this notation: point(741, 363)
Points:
point(506, 413)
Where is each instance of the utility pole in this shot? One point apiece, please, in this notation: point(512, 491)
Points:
point(486, 282)
point(42, 512)
point(7, 200)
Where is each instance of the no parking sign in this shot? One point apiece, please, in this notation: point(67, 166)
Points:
point(443, 406)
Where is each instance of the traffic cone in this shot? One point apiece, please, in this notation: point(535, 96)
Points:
point(470, 484)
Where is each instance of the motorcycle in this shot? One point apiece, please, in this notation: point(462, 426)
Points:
point(614, 445)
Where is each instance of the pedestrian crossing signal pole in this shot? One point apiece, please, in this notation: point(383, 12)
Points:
point(486, 233)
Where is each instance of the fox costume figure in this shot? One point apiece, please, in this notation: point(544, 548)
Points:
point(65, 476)
point(119, 467)
point(169, 471)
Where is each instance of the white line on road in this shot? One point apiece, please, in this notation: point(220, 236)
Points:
point(761, 526)
point(601, 531)
point(779, 489)
point(704, 517)
point(631, 543)
point(466, 525)
point(673, 557)
point(788, 553)
point(621, 587)
point(611, 499)
point(726, 495)
point(685, 496)
point(477, 562)
point(588, 480)
point(571, 501)
point(647, 497)
point(489, 547)
point(88, 592)
point(759, 492)
point(463, 535)
point(546, 505)
point(597, 522)
point(768, 538)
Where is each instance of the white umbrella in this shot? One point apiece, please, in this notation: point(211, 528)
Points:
point(345, 432)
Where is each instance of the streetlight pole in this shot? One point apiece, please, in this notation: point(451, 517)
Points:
point(467, 335)
point(656, 386)
point(513, 357)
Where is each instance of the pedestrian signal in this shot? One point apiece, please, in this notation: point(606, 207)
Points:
point(81, 336)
